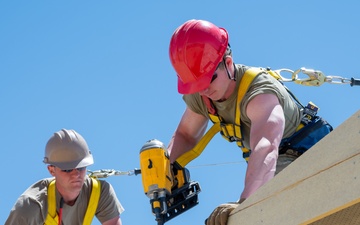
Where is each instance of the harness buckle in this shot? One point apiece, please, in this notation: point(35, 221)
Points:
point(309, 113)
point(233, 138)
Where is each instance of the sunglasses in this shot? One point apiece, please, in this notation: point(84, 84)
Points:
point(215, 74)
point(70, 170)
point(213, 77)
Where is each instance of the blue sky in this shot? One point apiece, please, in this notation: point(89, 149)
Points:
point(102, 68)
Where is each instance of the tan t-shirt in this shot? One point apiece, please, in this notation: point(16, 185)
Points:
point(262, 84)
point(31, 207)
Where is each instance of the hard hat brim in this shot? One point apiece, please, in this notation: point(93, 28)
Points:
point(193, 87)
point(88, 161)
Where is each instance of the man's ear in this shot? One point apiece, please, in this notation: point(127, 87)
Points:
point(51, 170)
point(228, 61)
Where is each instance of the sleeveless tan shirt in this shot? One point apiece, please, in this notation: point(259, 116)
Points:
point(262, 84)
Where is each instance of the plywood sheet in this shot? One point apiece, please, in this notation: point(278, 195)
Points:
point(320, 187)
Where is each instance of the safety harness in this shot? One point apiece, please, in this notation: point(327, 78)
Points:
point(232, 132)
point(53, 218)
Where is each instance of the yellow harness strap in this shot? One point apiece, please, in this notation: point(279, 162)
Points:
point(52, 217)
point(231, 132)
point(185, 158)
point(249, 76)
point(93, 202)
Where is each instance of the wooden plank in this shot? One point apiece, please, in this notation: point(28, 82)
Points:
point(320, 187)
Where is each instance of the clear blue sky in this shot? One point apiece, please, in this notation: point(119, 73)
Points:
point(102, 68)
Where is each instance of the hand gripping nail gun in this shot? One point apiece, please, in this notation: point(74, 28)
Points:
point(168, 186)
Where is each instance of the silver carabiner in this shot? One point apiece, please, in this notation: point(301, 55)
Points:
point(104, 173)
point(337, 80)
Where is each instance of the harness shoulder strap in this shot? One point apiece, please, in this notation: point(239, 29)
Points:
point(247, 79)
point(52, 217)
point(93, 202)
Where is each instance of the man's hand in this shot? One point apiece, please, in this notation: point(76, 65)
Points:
point(220, 215)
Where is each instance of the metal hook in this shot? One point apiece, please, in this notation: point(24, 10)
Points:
point(316, 77)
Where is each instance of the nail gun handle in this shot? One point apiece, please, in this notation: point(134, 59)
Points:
point(355, 82)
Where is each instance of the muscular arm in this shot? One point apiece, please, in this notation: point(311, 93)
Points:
point(113, 221)
point(267, 126)
point(109, 207)
point(191, 128)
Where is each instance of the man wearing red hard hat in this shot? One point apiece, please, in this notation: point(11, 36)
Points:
point(257, 113)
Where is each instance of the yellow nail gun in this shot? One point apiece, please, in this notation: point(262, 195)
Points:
point(168, 186)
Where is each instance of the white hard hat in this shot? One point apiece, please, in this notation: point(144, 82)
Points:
point(67, 149)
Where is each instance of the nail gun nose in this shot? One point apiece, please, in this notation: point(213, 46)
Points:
point(158, 205)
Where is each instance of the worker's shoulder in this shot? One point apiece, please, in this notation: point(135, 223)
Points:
point(241, 68)
point(33, 198)
point(38, 189)
point(253, 74)
point(103, 183)
point(252, 70)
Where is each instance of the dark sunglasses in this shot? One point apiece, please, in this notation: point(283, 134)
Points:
point(215, 74)
point(213, 77)
point(70, 170)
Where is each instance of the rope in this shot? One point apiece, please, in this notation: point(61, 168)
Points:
point(216, 164)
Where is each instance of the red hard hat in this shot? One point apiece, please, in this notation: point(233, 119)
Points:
point(196, 49)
